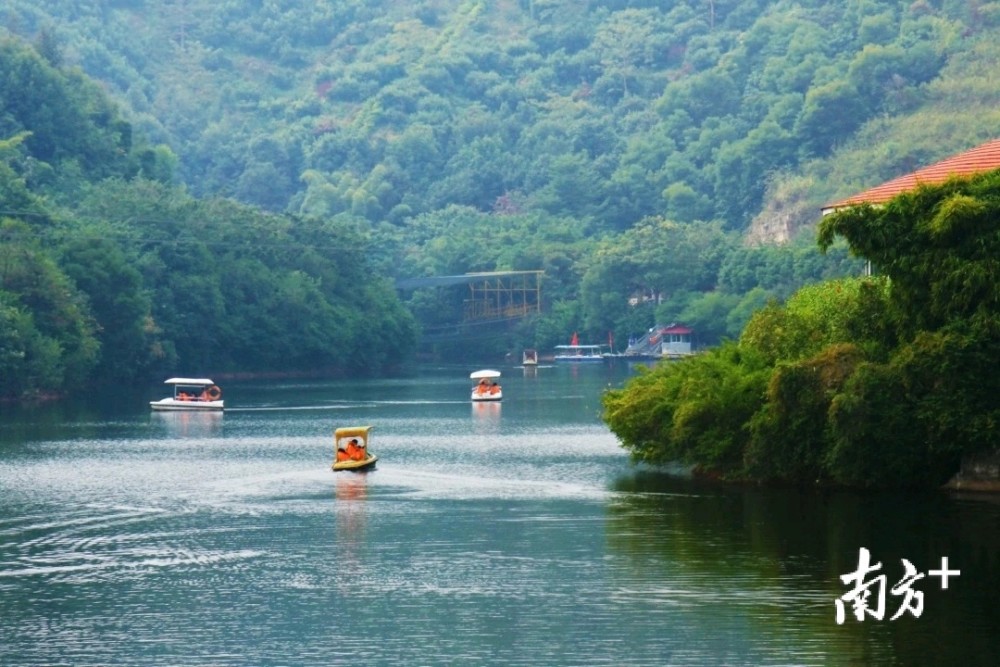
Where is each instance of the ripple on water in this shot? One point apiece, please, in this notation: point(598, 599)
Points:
point(97, 543)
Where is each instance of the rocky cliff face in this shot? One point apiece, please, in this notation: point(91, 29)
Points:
point(980, 472)
point(774, 229)
point(790, 206)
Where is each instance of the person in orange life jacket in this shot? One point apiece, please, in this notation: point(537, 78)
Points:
point(355, 451)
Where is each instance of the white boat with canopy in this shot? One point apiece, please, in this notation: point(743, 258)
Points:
point(197, 394)
point(578, 353)
point(485, 385)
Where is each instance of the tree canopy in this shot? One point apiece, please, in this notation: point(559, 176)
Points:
point(883, 380)
point(107, 275)
point(608, 112)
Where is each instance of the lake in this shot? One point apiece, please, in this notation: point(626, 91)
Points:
point(513, 533)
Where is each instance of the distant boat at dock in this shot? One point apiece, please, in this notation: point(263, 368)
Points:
point(575, 352)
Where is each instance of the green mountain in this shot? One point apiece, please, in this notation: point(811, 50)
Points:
point(629, 149)
point(607, 112)
point(108, 275)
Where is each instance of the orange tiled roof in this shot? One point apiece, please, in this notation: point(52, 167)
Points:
point(985, 157)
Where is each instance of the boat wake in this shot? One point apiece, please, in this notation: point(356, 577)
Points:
point(96, 543)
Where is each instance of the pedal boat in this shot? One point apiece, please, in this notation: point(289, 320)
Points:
point(351, 449)
point(486, 387)
point(191, 394)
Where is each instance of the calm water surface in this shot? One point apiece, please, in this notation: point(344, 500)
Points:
point(505, 534)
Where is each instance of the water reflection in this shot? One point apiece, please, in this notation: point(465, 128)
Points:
point(784, 550)
point(188, 424)
point(350, 493)
point(486, 416)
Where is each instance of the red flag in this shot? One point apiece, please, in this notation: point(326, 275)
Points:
point(575, 340)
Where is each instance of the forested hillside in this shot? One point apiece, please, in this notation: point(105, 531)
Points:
point(604, 111)
point(108, 275)
point(627, 147)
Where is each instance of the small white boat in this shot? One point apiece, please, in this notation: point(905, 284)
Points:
point(198, 394)
point(529, 358)
point(486, 387)
point(351, 448)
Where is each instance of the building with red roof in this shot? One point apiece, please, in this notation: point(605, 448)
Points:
point(662, 342)
point(671, 341)
point(985, 157)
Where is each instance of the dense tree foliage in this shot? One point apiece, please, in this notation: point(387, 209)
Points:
point(113, 275)
point(144, 278)
point(71, 130)
point(625, 148)
point(607, 112)
point(48, 338)
point(866, 381)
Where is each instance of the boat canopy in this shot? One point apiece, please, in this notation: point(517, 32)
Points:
point(189, 381)
point(478, 375)
point(352, 432)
